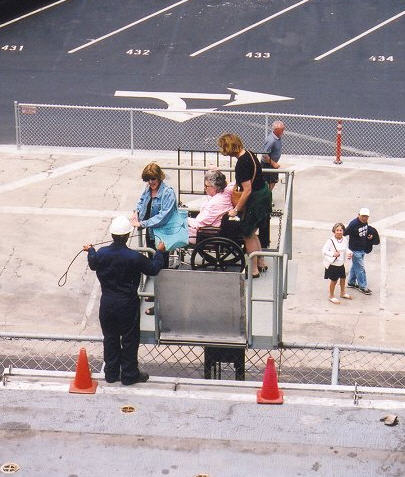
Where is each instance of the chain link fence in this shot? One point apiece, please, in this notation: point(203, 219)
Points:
point(126, 128)
point(305, 364)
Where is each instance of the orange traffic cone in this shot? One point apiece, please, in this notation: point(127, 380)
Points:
point(269, 393)
point(83, 383)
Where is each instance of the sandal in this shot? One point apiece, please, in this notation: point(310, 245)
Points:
point(150, 299)
point(263, 268)
point(150, 311)
point(334, 301)
point(346, 296)
point(254, 275)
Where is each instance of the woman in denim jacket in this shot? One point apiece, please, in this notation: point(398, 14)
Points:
point(154, 208)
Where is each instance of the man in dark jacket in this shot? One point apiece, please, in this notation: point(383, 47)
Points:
point(119, 270)
point(362, 237)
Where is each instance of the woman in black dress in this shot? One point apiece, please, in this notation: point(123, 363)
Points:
point(255, 200)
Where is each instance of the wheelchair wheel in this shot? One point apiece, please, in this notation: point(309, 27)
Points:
point(218, 254)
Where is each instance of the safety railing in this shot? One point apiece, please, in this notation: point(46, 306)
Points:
point(153, 129)
point(319, 364)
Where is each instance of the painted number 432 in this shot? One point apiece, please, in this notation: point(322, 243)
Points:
point(137, 52)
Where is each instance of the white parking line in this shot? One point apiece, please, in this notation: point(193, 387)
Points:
point(240, 32)
point(359, 36)
point(92, 42)
point(31, 13)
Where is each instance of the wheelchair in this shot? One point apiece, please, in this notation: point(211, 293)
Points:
point(217, 250)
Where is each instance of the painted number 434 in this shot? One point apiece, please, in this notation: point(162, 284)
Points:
point(381, 58)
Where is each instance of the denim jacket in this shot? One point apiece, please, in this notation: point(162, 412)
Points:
point(163, 205)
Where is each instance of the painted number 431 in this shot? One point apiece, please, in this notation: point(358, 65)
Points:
point(12, 47)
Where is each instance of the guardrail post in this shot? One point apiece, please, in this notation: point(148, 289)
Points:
point(17, 126)
point(288, 244)
point(282, 262)
point(335, 366)
point(276, 279)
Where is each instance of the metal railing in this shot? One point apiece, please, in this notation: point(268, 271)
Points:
point(134, 128)
point(296, 363)
point(192, 162)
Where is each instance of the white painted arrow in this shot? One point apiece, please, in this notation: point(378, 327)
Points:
point(177, 107)
point(251, 97)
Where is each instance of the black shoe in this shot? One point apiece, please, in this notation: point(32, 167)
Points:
point(352, 285)
point(366, 291)
point(142, 378)
point(112, 379)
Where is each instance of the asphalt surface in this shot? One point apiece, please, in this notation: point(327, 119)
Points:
point(363, 79)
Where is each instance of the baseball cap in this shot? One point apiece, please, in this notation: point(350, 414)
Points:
point(364, 211)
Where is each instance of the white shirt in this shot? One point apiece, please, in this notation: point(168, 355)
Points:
point(329, 249)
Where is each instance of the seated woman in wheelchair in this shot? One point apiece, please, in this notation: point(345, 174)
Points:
point(217, 204)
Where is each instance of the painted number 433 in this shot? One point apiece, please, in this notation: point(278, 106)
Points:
point(265, 55)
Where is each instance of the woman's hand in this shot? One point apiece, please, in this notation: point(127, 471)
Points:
point(233, 212)
point(336, 254)
point(134, 221)
point(161, 247)
point(349, 255)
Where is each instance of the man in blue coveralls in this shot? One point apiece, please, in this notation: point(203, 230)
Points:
point(119, 269)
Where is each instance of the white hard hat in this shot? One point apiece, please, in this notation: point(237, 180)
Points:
point(364, 211)
point(120, 226)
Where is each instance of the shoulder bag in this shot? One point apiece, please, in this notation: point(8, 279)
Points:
point(329, 260)
point(236, 193)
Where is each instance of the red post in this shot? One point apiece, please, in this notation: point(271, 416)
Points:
point(338, 143)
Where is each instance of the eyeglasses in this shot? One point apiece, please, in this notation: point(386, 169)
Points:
point(207, 185)
point(150, 179)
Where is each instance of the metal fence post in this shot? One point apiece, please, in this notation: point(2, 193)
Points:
point(131, 120)
point(335, 366)
point(266, 127)
point(17, 126)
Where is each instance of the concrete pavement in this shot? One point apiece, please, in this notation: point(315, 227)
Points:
point(53, 201)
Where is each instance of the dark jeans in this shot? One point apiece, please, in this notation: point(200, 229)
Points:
point(120, 324)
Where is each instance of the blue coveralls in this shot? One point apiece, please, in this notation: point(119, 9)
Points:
point(119, 270)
